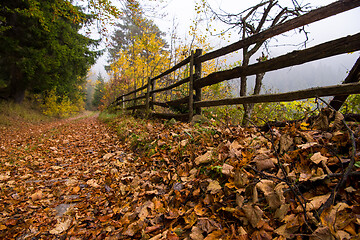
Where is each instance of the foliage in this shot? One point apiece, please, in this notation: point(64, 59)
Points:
point(57, 106)
point(99, 91)
point(42, 49)
point(137, 54)
point(352, 104)
point(13, 114)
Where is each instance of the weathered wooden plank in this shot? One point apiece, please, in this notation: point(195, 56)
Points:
point(181, 117)
point(313, 16)
point(328, 49)
point(136, 107)
point(147, 94)
point(344, 89)
point(177, 66)
point(137, 98)
point(191, 87)
point(198, 91)
point(133, 91)
point(185, 80)
point(354, 76)
point(176, 102)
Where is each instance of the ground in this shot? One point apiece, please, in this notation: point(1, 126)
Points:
point(81, 178)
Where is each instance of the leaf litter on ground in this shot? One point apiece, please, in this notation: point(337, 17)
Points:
point(153, 179)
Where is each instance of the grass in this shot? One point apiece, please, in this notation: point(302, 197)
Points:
point(11, 113)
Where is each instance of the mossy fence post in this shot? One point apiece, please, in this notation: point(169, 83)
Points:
point(197, 76)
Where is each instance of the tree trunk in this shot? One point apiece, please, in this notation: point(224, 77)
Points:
point(250, 107)
point(17, 85)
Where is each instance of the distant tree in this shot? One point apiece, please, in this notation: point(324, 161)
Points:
point(263, 15)
point(132, 24)
point(137, 52)
point(99, 91)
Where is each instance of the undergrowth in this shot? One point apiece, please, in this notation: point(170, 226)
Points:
point(11, 113)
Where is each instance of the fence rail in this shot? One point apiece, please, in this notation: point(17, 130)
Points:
point(195, 82)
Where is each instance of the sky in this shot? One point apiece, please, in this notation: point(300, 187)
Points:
point(181, 13)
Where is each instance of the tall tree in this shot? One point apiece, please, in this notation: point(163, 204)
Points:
point(41, 47)
point(137, 52)
point(132, 24)
point(99, 91)
point(263, 15)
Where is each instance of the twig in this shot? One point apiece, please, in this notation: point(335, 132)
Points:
point(286, 180)
point(330, 201)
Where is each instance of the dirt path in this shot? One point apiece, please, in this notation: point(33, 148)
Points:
point(73, 180)
point(56, 180)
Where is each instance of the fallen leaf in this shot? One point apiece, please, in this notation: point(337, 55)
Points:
point(108, 156)
point(37, 195)
point(203, 159)
point(93, 183)
point(317, 158)
point(241, 178)
point(61, 226)
point(267, 187)
point(286, 141)
point(199, 210)
point(214, 235)
point(207, 225)
point(227, 170)
point(214, 187)
point(196, 233)
point(76, 189)
point(316, 202)
point(322, 233)
point(253, 214)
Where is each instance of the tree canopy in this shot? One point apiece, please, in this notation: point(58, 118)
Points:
point(41, 47)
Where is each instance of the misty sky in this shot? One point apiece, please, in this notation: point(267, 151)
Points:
point(319, 73)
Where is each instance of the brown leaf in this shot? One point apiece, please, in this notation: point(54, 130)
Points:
point(253, 214)
point(214, 187)
point(153, 228)
point(203, 159)
point(199, 210)
point(93, 183)
point(241, 178)
point(264, 164)
point(267, 187)
point(316, 202)
point(286, 141)
point(37, 195)
point(227, 170)
point(108, 156)
point(61, 226)
point(196, 233)
point(214, 235)
point(76, 189)
point(317, 158)
point(207, 225)
point(338, 122)
point(322, 233)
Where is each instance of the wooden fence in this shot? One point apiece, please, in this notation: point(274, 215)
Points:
point(195, 82)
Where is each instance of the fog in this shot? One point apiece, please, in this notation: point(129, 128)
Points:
point(323, 72)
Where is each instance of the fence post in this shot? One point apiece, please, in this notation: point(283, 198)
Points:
point(134, 101)
point(148, 96)
point(191, 87)
point(153, 86)
point(197, 76)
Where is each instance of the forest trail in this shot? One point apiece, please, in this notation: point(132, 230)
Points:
point(79, 179)
point(55, 176)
